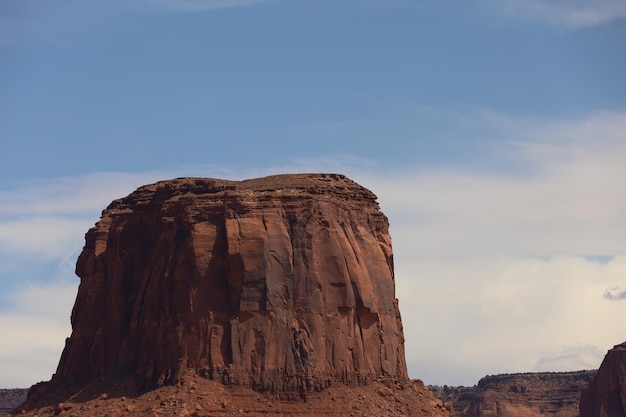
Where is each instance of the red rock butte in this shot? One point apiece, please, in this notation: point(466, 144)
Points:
point(283, 283)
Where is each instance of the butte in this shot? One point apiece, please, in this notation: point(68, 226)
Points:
point(283, 285)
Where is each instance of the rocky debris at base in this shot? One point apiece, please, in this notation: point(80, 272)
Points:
point(195, 396)
point(459, 396)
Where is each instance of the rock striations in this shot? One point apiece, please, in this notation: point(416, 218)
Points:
point(606, 394)
point(519, 395)
point(281, 284)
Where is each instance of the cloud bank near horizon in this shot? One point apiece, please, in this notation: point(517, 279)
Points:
point(495, 271)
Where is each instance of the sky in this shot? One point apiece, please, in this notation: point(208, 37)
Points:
point(492, 131)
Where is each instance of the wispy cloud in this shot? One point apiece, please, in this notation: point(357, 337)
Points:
point(49, 217)
point(27, 19)
point(47, 236)
point(565, 13)
point(201, 5)
point(570, 357)
point(71, 195)
point(564, 198)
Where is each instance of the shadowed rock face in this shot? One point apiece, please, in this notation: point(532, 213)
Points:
point(606, 394)
point(278, 283)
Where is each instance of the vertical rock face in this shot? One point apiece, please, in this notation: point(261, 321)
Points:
point(606, 394)
point(278, 283)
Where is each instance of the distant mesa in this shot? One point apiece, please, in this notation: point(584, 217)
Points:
point(544, 394)
point(11, 398)
point(600, 393)
point(280, 284)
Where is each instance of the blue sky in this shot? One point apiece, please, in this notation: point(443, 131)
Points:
point(493, 133)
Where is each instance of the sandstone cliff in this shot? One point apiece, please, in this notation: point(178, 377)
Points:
point(519, 395)
point(606, 394)
point(283, 283)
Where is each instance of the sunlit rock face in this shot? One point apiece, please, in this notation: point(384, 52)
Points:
point(606, 394)
point(279, 283)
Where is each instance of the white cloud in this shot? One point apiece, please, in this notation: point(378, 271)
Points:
point(49, 218)
point(34, 322)
point(30, 350)
point(570, 357)
point(72, 195)
point(53, 299)
point(476, 316)
point(47, 236)
point(568, 198)
point(568, 13)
